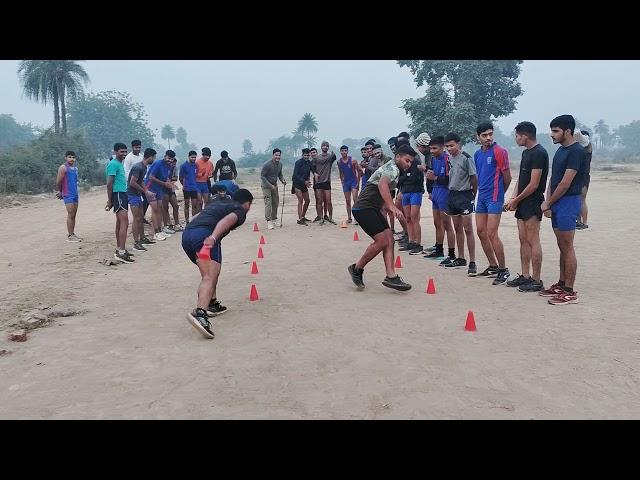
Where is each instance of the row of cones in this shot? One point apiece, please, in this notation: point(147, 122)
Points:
point(253, 294)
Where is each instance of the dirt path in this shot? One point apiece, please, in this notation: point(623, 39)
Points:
point(314, 347)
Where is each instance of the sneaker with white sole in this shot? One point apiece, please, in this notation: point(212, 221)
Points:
point(73, 238)
point(123, 257)
point(139, 247)
point(199, 320)
point(270, 225)
point(178, 228)
point(159, 237)
point(564, 298)
point(168, 231)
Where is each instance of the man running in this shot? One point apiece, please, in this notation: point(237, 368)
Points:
point(136, 191)
point(463, 186)
point(494, 177)
point(159, 183)
point(117, 198)
point(67, 185)
point(300, 185)
point(526, 202)
point(368, 212)
point(133, 157)
point(410, 191)
point(321, 167)
point(585, 141)
point(187, 177)
point(226, 168)
point(204, 170)
point(563, 205)
point(349, 178)
point(269, 175)
point(208, 228)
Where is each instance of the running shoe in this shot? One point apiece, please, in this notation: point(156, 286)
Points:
point(302, 222)
point(178, 228)
point(489, 272)
point(123, 257)
point(407, 246)
point(457, 263)
point(146, 241)
point(168, 231)
point(199, 320)
point(531, 286)
point(330, 220)
point(472, 271)
point(502, 277)
point(435, 255)
point(73, 238)
point(317, 219)
point(396, 283)
point(446, 261)
point(139, 247)
point(306, 219)
point(356, 275)
point(564, 298)
point(215, 308)
point(433, 248)
point(581, 226)
point(417, 250)
point(518, 281)
point(552, 291)
point(160, 237)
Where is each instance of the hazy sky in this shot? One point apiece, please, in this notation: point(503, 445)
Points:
point(220, 103)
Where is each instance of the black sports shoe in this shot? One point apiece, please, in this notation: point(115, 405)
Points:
point(396, 283)
point(302, 222)
point(306, 219)
point(328, 219)
point(435, 255)
point(139, 247)
point(146, 241)
point(430, 249)
point(356, 275)
point(124, 257)
point(489, 272)
point(457, 263)
point(446, 261)
point(146, 222)
point(417, 250)
point(215, 308)
point(531, 286)
point(519, 280)
point(402, 239)
point(501, 277)
point(472, 271)
point(405, 247)
point(317, 219)
point(198, 319)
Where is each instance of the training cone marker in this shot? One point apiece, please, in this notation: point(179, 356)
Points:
point(262, 242)
point(470, 326)
point(254, 294)
point(355, 236)
point(398, 262)
point(255, 227)
point(431, 287)
point(254, 268)
point(343, 224)
point(260, 254)
point(205, 253)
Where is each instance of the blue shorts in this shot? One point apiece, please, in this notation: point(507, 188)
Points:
point(486, 205)
point(202, 188)
point(192, 239)
point(411, 198)
point(440, 198)
point(158, 193)
point(70, 199)
point(364, 180)
point(135, 200)
point(350, 185)
point(565, 212)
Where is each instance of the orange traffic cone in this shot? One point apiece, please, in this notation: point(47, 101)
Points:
point(262, 241)
point(255, 227)
point(431, 287)
point(204, 253)
point(355, 236)
point(253, 296)
point(398, 262)
point(470, 326)
point(260, 254)
point(254, 268)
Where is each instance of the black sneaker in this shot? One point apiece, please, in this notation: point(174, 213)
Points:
point(472, 271)
point(519, 280)
point(457, 263)
point(531, 286)
point(302, 222)
point(501, 277)
point(146, 222)
point(435, 255)
point(430, 249)
point(317, 219)
point(147, 241)
point(402, 239)
point(489, 272)
point(396, 283)
point(446, 261)
point(198, 319)
point(329, 219)
point(407, 247)
point(356, 275)
point(139, 247)
point(123, 257)
point(215, 308)
point(417, 250)
point(306, 219)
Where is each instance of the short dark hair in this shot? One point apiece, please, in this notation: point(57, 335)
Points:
point(344, 147)
point(70, 153)
point(305, 150)
point(314, 149)
point(206, 151)
point(170, 154)
point(452, 137)
point(149, 152)
point(402, 141)
point(483, 127)
point(219, 187)
point(370, 142)
point(276, 150)
point(405, 149)
point(135, 143)
point(224, 154)
point(437, 140)
point(526, 128)
point(377, 145)
point(192, 152)
point(564, 122)
point(363, 149)
point(403, 134)
point(243, 195)
point(392, 141)
point(119, 146)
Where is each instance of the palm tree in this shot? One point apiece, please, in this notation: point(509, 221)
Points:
point(53, 80)
point(181, 135)
point(602, 130)
point(168, 134)
point(307, 126)
point(247, 147)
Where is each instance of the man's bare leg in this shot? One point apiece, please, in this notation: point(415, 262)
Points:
point(532, 226)
point(72, 209)
point(493, 223)
point(483, 235)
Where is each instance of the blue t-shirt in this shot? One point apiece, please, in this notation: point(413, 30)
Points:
point(572, 157)
point(160, 170)
point(440, 167)
point(490, 164)
point(231, 186)
point(188, 174)
point(70, 181)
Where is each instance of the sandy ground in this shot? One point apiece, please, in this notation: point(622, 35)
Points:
point(314, 347)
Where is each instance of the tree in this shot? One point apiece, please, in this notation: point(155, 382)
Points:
point(630, 135)
point(603, 133)
point(181, 135)
point(307, 126)
point(247, 147)
point(107, 118)
point(183, 147)
point(460, 94)
point(13, 133)
point(53, 80)
point(167, 134)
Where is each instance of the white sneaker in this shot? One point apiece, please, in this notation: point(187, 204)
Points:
point(73, 238)
point(270, 225)
point(178, 228)
point(168, 231)
point(160, 236)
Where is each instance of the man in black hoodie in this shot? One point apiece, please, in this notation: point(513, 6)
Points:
point(301, 183)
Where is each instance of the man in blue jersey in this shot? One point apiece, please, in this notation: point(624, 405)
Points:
point(494, 177)
point(67, 185)
point(159, 182)
point(187, 177)
point(136, 192)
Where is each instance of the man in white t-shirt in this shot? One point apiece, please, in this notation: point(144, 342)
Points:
point(133, 157)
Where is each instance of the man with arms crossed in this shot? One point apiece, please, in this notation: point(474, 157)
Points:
point(269, 175)
point(117, 198)
point(300, 185)
point(67, 185)
point(321, 167)
point(136, 191)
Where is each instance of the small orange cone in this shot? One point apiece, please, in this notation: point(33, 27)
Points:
point(260, 254)
point(253, 296)
point(431, 288)
point(255, 227)
point(470, 326)
point(262, 241)
point(398, 262)
point(355, 236)
point(204, 253)
point(254, 268)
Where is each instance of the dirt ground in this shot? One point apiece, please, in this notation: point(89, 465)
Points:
point(117, 346)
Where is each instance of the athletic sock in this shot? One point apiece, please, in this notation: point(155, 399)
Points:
point(561, 283)
point(452, 253)
point(567, 289)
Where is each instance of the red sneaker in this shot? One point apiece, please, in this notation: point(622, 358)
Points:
point(564, 298)
point(552, 291)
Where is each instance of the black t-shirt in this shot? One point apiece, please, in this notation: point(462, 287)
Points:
point(572, 157)
point(138, 170)
point(412, 181)
point(226, 169)
point(216, 211)
point(536, 158)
